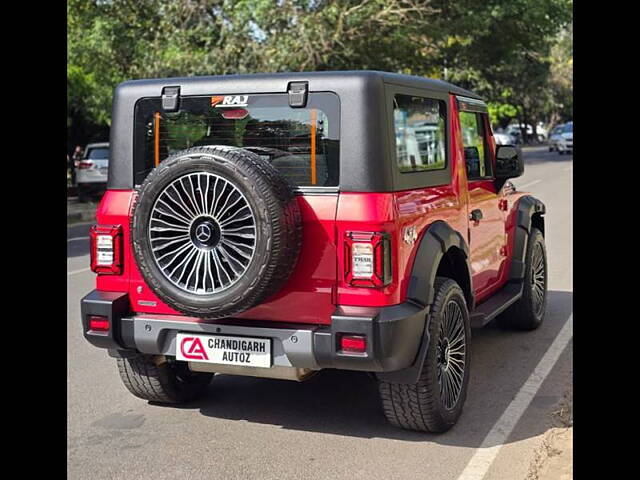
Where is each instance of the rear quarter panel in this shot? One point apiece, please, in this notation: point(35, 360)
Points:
point(307, 297)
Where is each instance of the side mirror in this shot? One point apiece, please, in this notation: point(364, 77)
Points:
point(509, 163)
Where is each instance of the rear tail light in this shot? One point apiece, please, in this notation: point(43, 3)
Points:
point(85, 164)
point(98, 323)
point(353, 343)
point(367, 259)
point(106, 249)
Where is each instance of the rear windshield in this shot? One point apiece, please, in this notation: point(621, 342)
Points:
point(568, 128)
point(302, 143)
point(98, 153)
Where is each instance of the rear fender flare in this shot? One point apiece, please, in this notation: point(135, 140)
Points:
point(436, 241)
point(438, 238)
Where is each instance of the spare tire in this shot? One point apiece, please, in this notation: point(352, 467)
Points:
point(215, 230)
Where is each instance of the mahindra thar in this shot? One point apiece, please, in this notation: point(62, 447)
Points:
point(276, 225)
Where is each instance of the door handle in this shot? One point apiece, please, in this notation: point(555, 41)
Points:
point(476, 215)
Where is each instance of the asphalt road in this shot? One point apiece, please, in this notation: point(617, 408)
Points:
point(331, 426)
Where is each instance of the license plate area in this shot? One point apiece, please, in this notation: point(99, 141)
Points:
point(224, 349)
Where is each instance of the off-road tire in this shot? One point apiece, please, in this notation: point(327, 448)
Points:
point(161, 380)
point(526, 314)
point(419, 406)
point(278, 229)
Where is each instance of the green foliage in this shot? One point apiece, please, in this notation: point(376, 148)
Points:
point(502, 113)
point(511, 51)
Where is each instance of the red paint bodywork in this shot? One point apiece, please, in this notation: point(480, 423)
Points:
point(317, 283)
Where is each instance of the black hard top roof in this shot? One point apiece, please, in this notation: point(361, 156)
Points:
point(364, 152)
point(271, 81)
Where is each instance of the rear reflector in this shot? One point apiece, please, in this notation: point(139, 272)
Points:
point(353, 343)
point(99, 323)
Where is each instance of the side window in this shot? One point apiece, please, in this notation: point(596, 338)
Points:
point(420, 129)
point(476, 151)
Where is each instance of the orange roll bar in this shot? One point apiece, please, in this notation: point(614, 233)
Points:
point(157, 138)
point(314, 115)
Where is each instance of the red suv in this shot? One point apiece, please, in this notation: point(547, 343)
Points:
point(277, 225)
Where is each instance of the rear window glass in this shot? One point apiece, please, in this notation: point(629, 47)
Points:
point(98, 153)
point(302, 143)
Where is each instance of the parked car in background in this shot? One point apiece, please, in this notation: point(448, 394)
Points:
point(504, 139)
point(554, 136)
point(565, 139)
point(515, 131)
point(91, 172)
point(542, 132)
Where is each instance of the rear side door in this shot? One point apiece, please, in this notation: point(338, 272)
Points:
point(486, 220)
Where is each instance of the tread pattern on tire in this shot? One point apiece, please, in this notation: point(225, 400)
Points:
point(146, 380)
point(414, 406)
point(284, 244)
point(520, 315)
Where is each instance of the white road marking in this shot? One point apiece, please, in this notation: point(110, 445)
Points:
point(481, 461)
point(73, 272)
point(77, 238)
point(529, 184)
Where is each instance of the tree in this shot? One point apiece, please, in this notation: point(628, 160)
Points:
point(499, 48)
point(561, 78)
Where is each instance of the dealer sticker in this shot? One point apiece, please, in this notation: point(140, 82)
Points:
point(250, 352)
point(222, 101)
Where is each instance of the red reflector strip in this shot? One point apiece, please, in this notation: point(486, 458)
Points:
point(353, 343)
point(98, 323)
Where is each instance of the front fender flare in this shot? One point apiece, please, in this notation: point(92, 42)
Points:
point(528, 206)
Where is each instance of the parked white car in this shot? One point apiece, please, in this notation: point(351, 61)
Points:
point(91, 172)
point(561, 139)
point(554, 137)
point(542, 132)
point(515, 131)
point(504, 139)
point(565, 140)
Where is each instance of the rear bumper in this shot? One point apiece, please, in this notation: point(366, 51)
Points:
point(394, 334)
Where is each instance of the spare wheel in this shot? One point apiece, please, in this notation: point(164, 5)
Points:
point(215, 231)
